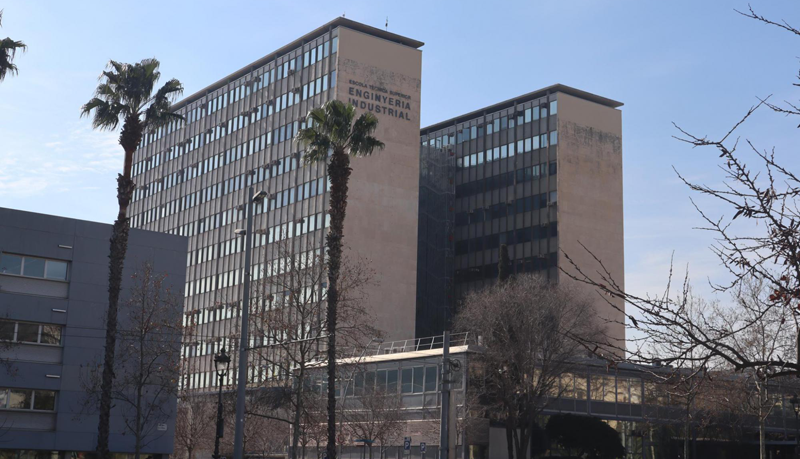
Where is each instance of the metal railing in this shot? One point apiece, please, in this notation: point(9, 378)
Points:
point(410, 345)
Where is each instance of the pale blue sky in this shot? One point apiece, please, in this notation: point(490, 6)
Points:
point(696, 63)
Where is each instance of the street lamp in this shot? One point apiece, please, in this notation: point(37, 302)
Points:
point(241, 382)
point(221, 362)
point(796, 406)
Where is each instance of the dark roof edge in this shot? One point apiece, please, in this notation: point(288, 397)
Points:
point(524, 98)
point(338, 22)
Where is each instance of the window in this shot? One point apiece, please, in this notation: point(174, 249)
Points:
point(554, 107)
point(27, 399)
point(418, 379)
point(33, 267)
point(26, 332)
point(407, 386)
point(430, 379)
point(554, 138)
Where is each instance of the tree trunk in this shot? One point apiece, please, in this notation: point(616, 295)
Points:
point(190, 453)
point(510, 438)
point(339, 175)
point(130, 137)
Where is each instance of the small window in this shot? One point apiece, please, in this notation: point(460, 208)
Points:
point(56, 270)
point(7, 328)
point(51, 334)
point(407, 385)
point(28, 333)
point(418, 379)
point(430, 379)
point(44, 400)
point(20, 399)
point(554, 107)
point(10, 264)
point(391, 381)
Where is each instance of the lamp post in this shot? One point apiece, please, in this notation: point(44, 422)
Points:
point(221, 362)
point(347, 385)
point(241, 381)
point(796, 406)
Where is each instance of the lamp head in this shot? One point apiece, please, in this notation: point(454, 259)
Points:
point(239, 232)
point(259, 196)
point(221, 362)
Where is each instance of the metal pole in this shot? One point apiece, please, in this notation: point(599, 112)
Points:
point(444, 446)
point(796, 435)
point(220, 425)
point(241, 383)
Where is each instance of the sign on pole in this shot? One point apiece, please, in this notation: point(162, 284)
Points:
point(407, 444)
point(422, 447)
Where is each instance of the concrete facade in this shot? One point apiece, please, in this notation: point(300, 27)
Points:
point(71, 312)
point(193, 177)
point(381, 222)
point(541, 173)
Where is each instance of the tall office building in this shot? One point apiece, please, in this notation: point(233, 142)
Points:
point(541, 173)
point(192, 177)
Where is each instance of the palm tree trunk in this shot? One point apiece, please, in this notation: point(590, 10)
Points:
point(339, 175)
point(129, 138)
point(510, 438)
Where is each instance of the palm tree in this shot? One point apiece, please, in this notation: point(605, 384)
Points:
point(125, 94)
point(333, 136)
point(8, 49)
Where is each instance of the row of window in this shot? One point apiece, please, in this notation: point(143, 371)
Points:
point(232, 278)
point(242, 120)
point(320, 52)
point(493, 241)
point(228, 186)
point(32, 333)
point(503, 209)
point(244, 89)
point(212, 314)
point(504, 180)
point(509, 150)
point(521, 265)
point(43, 268)
point(467, 133)
point(27, 399)
point(605, 388)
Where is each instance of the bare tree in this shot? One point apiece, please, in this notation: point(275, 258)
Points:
point(290, 304)
point(376, 417)
point(148, 359)
point(195, 423)
point(759, 239)
point(531, 331)
point(770, 336)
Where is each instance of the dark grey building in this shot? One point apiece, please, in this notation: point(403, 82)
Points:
point(540, 173)
point(53, 298)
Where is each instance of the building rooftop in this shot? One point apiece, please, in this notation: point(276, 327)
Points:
point(338, 22)
point(521, 99)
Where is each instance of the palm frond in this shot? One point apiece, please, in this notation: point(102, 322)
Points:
point(8, 50)
point(106, 114)
point(361, 142)
point(158, 113)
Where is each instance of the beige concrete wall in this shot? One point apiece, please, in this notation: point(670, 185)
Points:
point(590, 207)
point(381, 222)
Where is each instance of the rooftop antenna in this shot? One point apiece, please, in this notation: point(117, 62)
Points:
point(343, 14)
point(387, 23)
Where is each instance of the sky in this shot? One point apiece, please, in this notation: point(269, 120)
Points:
point(695, 63)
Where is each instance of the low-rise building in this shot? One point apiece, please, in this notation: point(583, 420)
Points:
point(53, 302)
